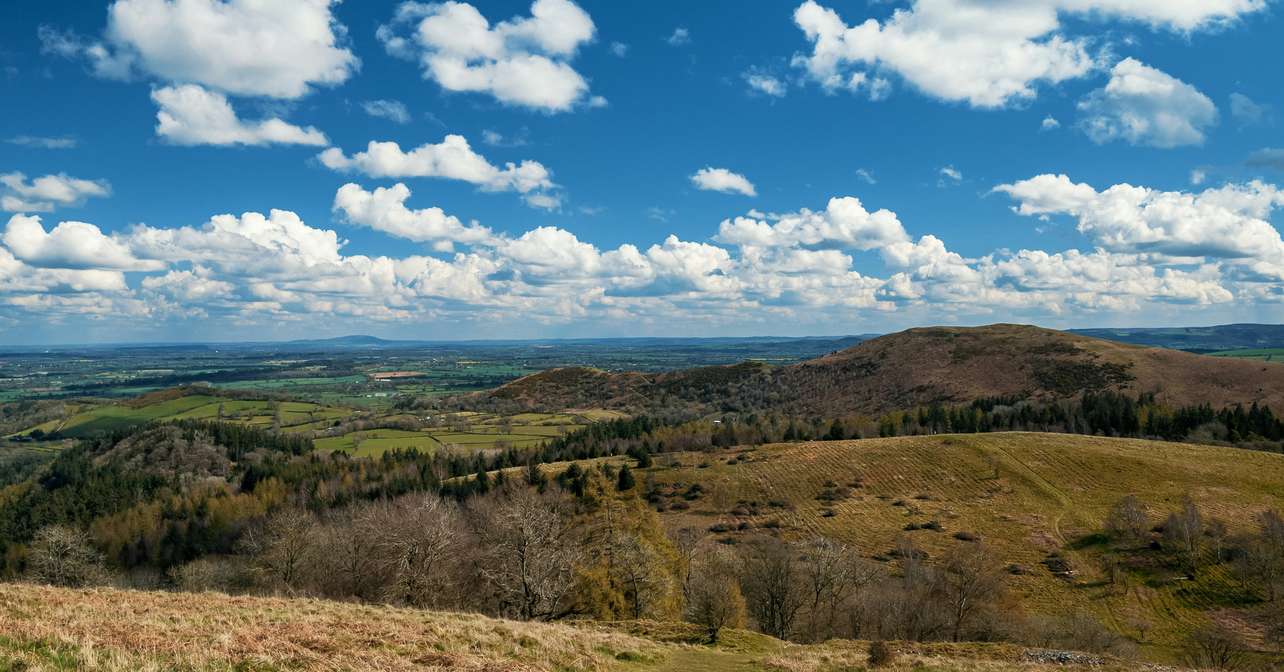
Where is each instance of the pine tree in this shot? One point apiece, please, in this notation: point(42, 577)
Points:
point(625, 480)
point(534, 476)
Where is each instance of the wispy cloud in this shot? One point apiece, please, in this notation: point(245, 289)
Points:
point(61, 142)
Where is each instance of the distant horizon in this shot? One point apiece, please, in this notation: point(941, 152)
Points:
point(554, 339)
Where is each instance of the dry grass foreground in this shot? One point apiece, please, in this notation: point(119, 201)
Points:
point(44, 628)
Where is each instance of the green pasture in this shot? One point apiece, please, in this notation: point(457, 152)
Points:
point(1264, 354)
point(256, 412)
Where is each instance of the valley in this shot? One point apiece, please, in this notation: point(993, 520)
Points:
point(903, 457)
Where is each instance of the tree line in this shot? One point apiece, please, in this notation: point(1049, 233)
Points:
point(1098, 413)
point(1104, 413)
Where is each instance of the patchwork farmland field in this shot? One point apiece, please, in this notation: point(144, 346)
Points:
point(1264, 354)
point(288, 415)
point(465, 431)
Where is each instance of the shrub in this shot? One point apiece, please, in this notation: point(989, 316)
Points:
point(1217, 648)
point(223, 575)
point(880, 654)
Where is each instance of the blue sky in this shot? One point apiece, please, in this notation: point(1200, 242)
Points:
point(202, 169)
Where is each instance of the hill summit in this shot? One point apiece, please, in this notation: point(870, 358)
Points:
point(918, 367)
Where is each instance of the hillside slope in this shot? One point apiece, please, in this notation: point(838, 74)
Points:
point(1027, 496)
point(45, 628)
point(919, 367)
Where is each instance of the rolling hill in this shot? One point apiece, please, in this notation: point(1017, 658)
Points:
point(1030, 497)
point(919, 367)
point(45, 628)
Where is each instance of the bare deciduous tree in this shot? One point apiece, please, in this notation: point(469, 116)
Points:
point(1184, 532)
point(772, 584)
point(1127, 520)
point(1217, 648)
point(715, 600)
point(831, 574)
point(419, 535)
point(281, 549)
point(968, 580)
point(687, 541)
point(1262, 560)
point(528, 554)
point(63, 556)
point(347, 556)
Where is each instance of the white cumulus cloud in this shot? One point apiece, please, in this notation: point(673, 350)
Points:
point(987, 53)
point(1145, 106)
point(69, 245)
point(722, 180)
point(241, 47)
point(1229, 222)
point(844, 223)
point(191, 115)
point(453, 158)
point(523, 61)
point(45, 193)
point(384, 209)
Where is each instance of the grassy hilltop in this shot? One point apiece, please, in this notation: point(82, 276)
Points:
point(1029, 497)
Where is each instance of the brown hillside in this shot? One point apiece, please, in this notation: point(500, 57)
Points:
point(578, 386)
point(958, 364)
point(918, 367)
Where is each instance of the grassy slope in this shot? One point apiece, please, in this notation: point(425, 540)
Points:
point(1026, 495)
point(45, 628)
